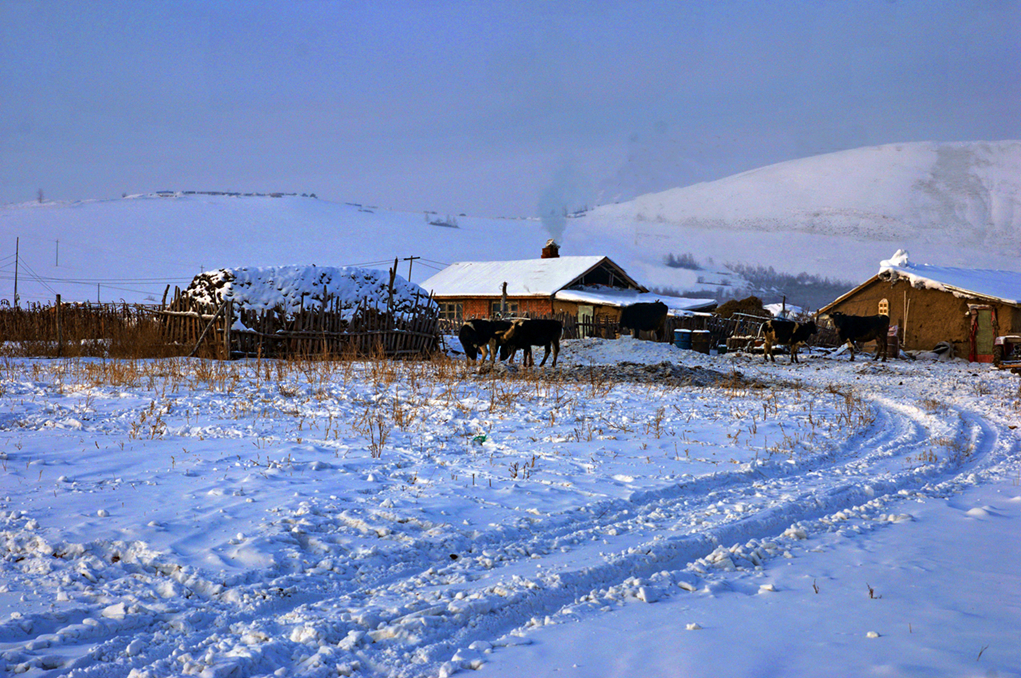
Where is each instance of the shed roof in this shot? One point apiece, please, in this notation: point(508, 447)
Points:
point(524, 278)
point(1001, 286)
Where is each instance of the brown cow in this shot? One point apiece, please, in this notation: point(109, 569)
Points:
point(525, 334)
point(787, 333)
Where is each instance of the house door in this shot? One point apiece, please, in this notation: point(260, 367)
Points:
point(984, 335)
point(586, 315)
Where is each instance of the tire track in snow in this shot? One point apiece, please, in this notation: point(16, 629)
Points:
point(395, 629)
point(507, 607)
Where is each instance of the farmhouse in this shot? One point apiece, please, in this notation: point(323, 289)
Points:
point(931, 304)
point(589, 288)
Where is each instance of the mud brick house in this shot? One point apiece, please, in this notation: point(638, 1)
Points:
point(931, 304)
point(591, 288)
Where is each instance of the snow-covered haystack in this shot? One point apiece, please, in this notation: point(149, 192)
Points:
point(292, 289)
point(305, 310)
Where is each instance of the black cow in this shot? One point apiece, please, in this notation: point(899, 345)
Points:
point(525, 334)
point(852, 328)
point(644, 317)
point(475, 336)
point(787, 333)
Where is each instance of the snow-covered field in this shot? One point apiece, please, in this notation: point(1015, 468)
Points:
point(678, 515)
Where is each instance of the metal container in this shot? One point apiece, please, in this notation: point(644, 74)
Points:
point(701, 341)
point(682, 339)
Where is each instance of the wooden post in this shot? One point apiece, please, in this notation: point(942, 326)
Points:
point(204, 331)
point(60, 335)
point(226, 328)
point(410, 261)
point(390, 296)
point(17, 259)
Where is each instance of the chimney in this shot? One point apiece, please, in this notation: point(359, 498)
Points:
point(551, 250)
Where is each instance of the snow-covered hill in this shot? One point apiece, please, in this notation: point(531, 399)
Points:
point(131, 248)
point(836, 215)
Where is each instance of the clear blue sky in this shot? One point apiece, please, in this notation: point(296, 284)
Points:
point(489, 108)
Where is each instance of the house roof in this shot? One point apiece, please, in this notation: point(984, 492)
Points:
point(610, 296)
point(524, 278)
point(999, 285)
point(1002, 286)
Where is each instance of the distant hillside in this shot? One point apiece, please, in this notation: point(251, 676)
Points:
point(131, 248)
point(834, 215)
point(806, 229)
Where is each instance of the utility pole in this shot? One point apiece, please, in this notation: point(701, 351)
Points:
point(17, 247)
point(410, 261)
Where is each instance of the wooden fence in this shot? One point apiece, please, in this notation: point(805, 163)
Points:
point(79, 329)
point(330, 329)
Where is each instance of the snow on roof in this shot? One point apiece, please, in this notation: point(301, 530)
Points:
point(784, 311)
point(613, 296)
point(1001, 285)
point(524, 278)
point(291, 287)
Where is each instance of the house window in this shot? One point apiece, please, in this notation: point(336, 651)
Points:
point(884, 307)
point(512, 308)
point(451, 310)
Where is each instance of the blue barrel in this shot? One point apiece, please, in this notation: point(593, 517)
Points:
point(682, 339)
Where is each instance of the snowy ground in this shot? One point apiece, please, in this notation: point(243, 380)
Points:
point(252, 519)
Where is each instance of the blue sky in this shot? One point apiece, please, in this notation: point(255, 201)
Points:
point(489, 108)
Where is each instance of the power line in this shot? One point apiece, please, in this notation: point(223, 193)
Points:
point(91, 281)
point(435, 268)
point(36, 278)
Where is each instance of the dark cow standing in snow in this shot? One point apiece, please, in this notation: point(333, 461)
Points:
point(525, 334)
point(475, 336)
point(787, 333)
point(852, 328)
point(644, 317)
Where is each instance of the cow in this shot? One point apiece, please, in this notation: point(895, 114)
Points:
point(788, 333)
point(644, 317)
point(525, 334)
point(852, 328)
point(475, 336)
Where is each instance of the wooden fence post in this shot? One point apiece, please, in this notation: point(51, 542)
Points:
point(60, 336)
point(203, 334)
point(226, 327)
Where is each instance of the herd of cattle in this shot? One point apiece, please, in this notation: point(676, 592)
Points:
point(850, 328)
point(489, 338)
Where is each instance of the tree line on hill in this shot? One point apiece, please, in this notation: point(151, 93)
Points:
point(802, 289)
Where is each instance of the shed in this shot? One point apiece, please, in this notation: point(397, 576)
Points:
point(930, 304)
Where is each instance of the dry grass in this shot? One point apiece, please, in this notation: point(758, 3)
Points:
point(394, 400)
